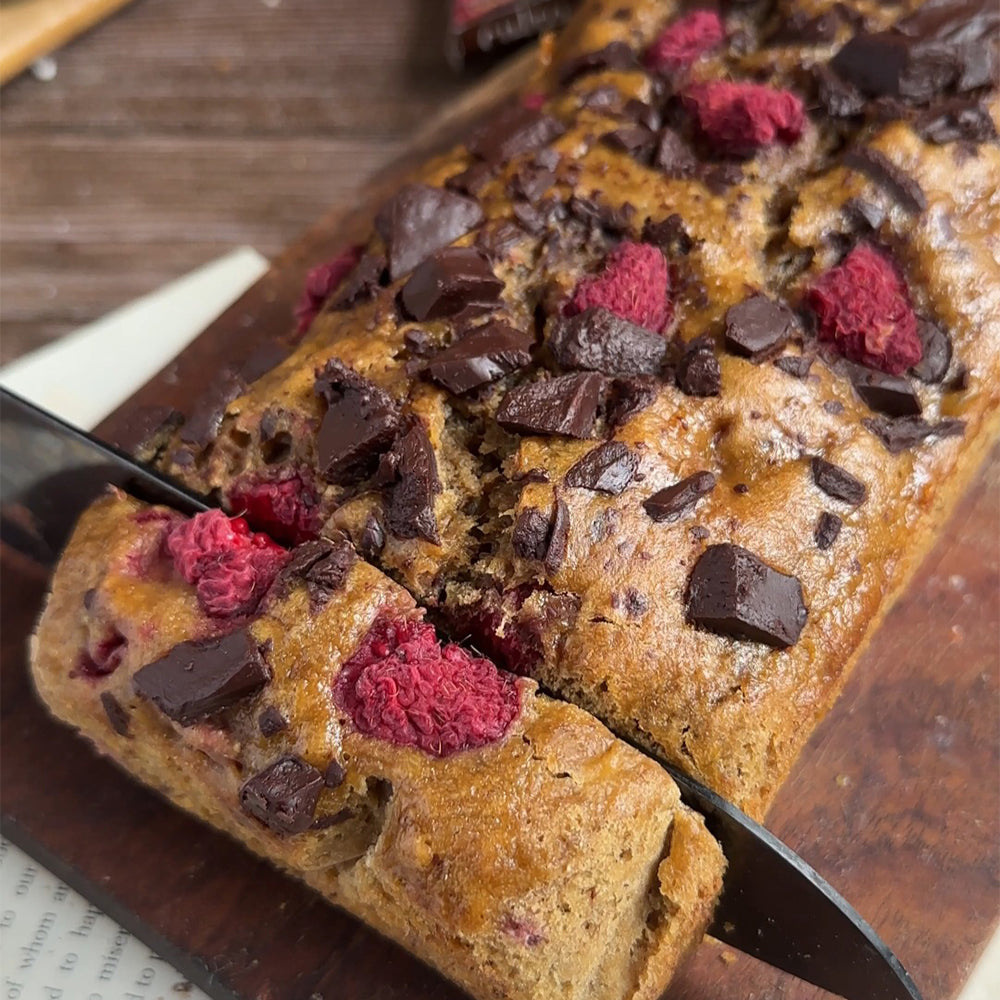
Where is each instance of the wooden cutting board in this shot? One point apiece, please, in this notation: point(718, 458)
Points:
point(896, 799)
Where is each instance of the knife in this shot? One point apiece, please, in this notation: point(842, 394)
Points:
point(773, 905)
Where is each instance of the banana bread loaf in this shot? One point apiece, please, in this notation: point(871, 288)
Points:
point(660, 384)
point(298, 701)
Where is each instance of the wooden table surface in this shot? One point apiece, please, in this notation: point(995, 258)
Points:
point(179, 129)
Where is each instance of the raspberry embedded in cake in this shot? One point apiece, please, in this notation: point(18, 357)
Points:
point(320, 284)
point(104, 656)
point(404, 687)
point(285, 508)
point(684, 41)
point(738, 119)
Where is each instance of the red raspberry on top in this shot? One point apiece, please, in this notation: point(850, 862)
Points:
point(533, 101)
point(684, 41)
point(740, 118)
point(321, 282)
point(863, 308)
point(284, 508)
point(402, 686)
point(634, 283)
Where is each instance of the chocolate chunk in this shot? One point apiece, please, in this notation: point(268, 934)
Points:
point(421, 219)
point(628, 396)
point(270, 722)
point(669, 235)
point(558, 538)
point(643, 114)
point(840, 98)
point(668, 504)
point(837, 482)
point(758, 327)
point(323, 565)
point(698, 372)
point(632, 602)
point(517, 130)
point(884, 393)
point(956, 120)
point(530, 537)
point(720, 177)
point(798, 28)
point(410, 509)
point(117, 716)
point(473, 179)
point(564, 405)
point(531, 181)
point(198, 678)
point(608, 468)
point(602, 98)
point(796, 365)
point(499, 237)
point(827, 529)
point(934, 364)
point(372, 539)
point(636, 141)
point(879, 168)
point(449, 281)
point(733, 593)
point(483, 355)
point(284, 795)
point(674, 156)
point(902, 433)
point(333, 776)
point(202, 426)
point(863, 214)
point(615, 55)
point(959, 382)
point(362, 283)
point(599, 340)
point(359, 424)
point(834, 407)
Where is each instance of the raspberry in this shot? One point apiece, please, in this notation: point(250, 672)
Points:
point(284, 508)
point(402, 686)
point(740, 118)
point(862, 307)
point(103, 657)
point(321, 281)
point(231, 567)
point(633, 283)
point(533, 101)
point(681, 43)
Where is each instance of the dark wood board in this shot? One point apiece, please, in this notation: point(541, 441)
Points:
point(896, 800)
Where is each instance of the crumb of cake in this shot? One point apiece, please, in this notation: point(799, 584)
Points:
point(321, 281)
point(862, 308)
point(633, 283)
point(741, 118)
point(727, 957)
point(285, 508)
point(684, 41)
point(402, 686)
point(843, 780)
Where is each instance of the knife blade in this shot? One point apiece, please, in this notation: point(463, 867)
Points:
point(773, 905)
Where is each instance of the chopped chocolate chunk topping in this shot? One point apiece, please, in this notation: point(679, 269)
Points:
point(198, 678)
point(956, 120)
point(449, 281)
point(421, 219)
point(599, 340)
point(834, 407)
point(674, 156)
point(531, 181)
point(837, 482)
point(518, 130)
point(410, 510)
point(564, 405)
point(864, 215)
point(668, 504)
point(530, 537)
point(758, 327)
point(117, 716)
point(698, 372)
point(796, 365)
point(323, 565)
point(270, 722)
point(636, 141)
point(372, 539)
point(902, 433)
point(934, 364)
point(359, 424)
point(840, 98)
point(284, 795)
point(733, 593)
point(616, 55)
point(559, 538)
point(608, 468)
point(472, 180)
point(884, 393)
point(483, 355)
point(827, 530)
point(642, 114)
point(627, 396)
point(362, 283)
point(498, 237)
point(879, 168)
point(669, 235)
point(333, 776)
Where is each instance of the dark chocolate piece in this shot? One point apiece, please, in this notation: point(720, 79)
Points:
point(615, 55)
point(117, 716)
point(633, 603)
point(758, 327)
point(902, 433)
point(531, 181)
point(878, 168)
point(643, 114)
point(323, 565)
point(198, 678)
point(449, 281)
point(599, 340)
point(517, 130)
point(564, 405)
point(362, 283)
point(483, 355)
point(834, 407)
point(284, 795)
point(839, 97)
point(270, 722)
point(796, 365)
point(837, 482)
point(956, 119)
point(884, 393)
point(827, 530)
point(558, 538)
point(798, 28)
point(359, 424)
point(733, 593)
point(669, 235)
point(698, 372)
point(333, 776)
point(530, 537)
point(674, 156)
point(636, 141)
point(863, 214)
point(202, 426)
point(628, 396)
point(668, 504)
point(372, 539)
point(410, 508)
point(472, 180)
point(498, 237)
point(421, 219)
point(934, 364)
point(608, 468)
